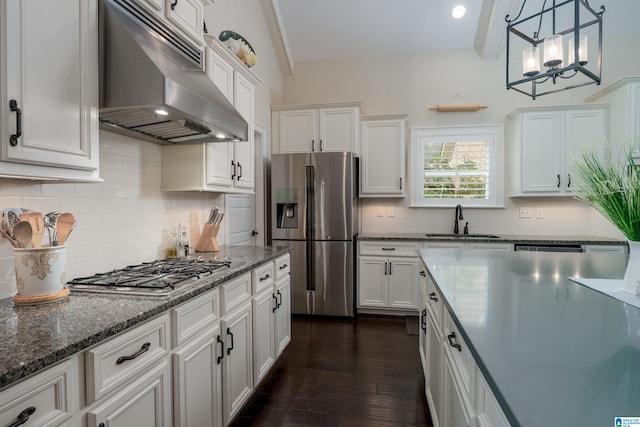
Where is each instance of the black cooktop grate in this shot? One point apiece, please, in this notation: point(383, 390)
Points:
point(149, 278)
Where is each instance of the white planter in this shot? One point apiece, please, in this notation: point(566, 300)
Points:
point(632, 274)
point(40, 271)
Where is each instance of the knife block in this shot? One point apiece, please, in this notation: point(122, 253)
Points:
point(208, 241)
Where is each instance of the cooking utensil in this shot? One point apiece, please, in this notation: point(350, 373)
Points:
point(10, 217)
point(50, 220)
point(37, 226)
point(10, 239)
point(65, 224)
point(23, 234)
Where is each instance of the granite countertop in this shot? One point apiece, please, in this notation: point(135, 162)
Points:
point(35, 337)
point(501, 238)
point(554, 352)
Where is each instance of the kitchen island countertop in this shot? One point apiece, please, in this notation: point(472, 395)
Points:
point(37, 336)
point(502, 238)
point(554, 352)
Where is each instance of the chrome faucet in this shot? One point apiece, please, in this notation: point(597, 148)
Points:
point(458, 216)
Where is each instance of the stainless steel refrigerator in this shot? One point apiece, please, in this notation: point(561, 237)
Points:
point(314, 204)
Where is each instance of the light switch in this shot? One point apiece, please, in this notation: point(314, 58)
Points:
point(380, 212)
point(540, 213)
point(392, 211)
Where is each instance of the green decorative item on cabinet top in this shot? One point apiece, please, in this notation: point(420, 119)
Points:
point(239, 46)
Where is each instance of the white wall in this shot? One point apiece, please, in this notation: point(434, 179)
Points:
point(413, 83)
point(121, 221)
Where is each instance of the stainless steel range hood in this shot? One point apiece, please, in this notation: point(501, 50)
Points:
point(152, 83)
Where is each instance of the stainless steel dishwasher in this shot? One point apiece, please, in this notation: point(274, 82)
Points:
point(526, 247)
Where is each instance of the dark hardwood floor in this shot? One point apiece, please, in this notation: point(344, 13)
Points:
point(361, 372)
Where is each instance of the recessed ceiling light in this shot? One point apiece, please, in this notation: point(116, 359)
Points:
point(458, 11)
point(220, 135)
point(161, 112)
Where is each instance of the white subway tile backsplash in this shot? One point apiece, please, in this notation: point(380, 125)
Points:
point(120, 221)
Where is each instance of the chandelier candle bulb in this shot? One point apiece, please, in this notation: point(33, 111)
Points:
point(582, 50)
point(531, 61)
point(553, 51)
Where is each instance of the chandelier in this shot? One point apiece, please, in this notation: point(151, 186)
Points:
point(542, 36)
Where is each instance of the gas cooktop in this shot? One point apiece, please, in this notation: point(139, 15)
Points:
point(157, 278)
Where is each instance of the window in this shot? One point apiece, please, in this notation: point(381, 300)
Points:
point(457, 165)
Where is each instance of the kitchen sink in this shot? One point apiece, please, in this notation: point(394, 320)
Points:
point(462, 236)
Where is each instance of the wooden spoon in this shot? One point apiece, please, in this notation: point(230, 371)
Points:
point(9, 238)
point(37, 226)
point(23, 234)
point(64, 226)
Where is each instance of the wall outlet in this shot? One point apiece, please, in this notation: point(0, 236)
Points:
point(540, 213)
point(391, 211)
point(380, 212)
point(525, 212)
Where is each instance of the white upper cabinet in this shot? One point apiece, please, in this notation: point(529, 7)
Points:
point(224, 167)
point(316, 128)
point(383, 156)
point(187, 16)
point(623, 98)
point(49, 90)
point(546, 142)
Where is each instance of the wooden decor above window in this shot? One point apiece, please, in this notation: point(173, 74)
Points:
point(453, 107)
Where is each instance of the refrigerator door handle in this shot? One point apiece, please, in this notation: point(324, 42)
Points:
point(310, 190)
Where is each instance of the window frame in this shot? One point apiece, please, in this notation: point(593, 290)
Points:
point(494, 134)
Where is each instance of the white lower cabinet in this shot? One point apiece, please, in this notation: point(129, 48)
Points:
point(388, 274)
point(264, 346)
point(455, 389)
point(145, 401)
point(282, 314)
point(197, 362)
point(48, 398)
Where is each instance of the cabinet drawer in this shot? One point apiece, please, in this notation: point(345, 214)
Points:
point(282, 266)
point(49, 392)
point(389, 248)
point(434, 302)
point(124, 357)
point(262, 278)
point(234, 293)
point(195, 315)
point(456, 347)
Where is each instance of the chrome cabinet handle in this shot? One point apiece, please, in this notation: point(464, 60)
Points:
point(451, 337)
point(23, 417)
point(145, 347)
point(13, 106)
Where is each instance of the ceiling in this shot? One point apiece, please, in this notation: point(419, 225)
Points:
point(313, 30)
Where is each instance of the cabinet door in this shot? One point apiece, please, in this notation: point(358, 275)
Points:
point(198, 382)
point(237, 365)
point(582, 129)
point(458, 411)
point(144, 402)
point(338, 129)
point(263, 306)
point(187, 16)
point(220, 72)
point(382, 158)
point(53, 84)
point(372, 281)
point(220, 165)
point(541, 154)
point(283, 314)
point(244, 151)
point(298, 131)
point(433, 379)
point(403, 282)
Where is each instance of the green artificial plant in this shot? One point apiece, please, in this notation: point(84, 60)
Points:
point(612, 188)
